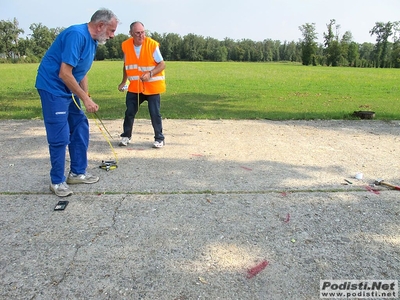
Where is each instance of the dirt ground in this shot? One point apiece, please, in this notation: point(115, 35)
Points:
point(190, 220)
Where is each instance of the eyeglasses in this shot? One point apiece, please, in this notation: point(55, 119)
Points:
point(139, 33)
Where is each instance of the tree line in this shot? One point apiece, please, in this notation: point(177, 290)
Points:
point(336, 49)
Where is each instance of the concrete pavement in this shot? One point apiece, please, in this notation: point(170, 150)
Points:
point(188, 221)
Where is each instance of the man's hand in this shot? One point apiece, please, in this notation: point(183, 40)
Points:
point(91, 106)
point(146, 76)
point(122, 86)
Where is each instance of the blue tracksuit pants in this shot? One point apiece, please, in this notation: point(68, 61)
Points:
point(66, 125)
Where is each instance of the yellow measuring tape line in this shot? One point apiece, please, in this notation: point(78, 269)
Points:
point(107, 139)
point(107, 165)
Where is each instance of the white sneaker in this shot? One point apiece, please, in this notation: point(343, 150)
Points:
point(158, 144)
point(81, 178)
point(124, 141)
point(61, 189)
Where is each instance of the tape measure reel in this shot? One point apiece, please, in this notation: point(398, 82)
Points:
point(108, 165)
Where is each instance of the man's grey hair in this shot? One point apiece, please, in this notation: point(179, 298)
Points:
point(103, 15)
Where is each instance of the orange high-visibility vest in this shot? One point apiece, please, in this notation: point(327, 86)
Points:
point(135, 67)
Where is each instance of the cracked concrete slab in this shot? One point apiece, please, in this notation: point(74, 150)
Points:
point(188, 221)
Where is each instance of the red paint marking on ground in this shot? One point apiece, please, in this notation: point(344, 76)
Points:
point(284, 194)
point(287, 218)
point(256, 269)
point(195, 154)
point(370, 189)
point(246, 168)
point(133, 149)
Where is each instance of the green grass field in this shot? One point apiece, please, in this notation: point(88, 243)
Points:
point(207, 90)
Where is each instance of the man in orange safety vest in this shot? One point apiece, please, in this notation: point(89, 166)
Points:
point(144, 69)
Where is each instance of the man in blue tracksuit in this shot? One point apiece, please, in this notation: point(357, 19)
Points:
point(62, 83)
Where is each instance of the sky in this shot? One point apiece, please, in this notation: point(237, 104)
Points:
point(256, 20)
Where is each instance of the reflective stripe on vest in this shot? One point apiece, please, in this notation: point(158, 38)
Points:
point(155, 78)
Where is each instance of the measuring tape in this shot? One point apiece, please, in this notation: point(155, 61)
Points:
point(105, 164)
